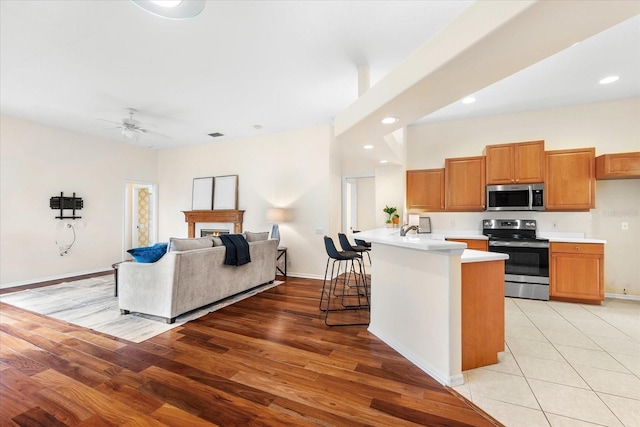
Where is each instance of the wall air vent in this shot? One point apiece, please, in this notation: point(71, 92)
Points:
point(216, 134)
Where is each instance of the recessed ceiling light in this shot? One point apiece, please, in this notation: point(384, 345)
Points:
point(257, 127)
point(368, 147)
point(608, 80)
point(384, 161)
point(469, 100)
point(389, 120)
point(171, 9)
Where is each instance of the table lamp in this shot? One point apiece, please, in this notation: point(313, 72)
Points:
point(276, 216)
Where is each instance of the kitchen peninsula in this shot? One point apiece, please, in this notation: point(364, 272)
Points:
point(417, 302)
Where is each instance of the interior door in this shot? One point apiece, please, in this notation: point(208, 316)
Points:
point(140, 216)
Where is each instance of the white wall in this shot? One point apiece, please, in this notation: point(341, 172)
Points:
point(290, 169)
point(610, 127)
point(38, 162)
point(366, 219)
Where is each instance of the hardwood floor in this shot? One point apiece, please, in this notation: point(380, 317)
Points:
point(268, 360)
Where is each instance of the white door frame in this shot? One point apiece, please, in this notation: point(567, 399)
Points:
point(347, 198)
point(127, 223)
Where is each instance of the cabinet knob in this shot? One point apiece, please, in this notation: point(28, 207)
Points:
point(577, 248)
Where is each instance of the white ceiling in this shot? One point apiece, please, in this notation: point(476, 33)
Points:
point(279, 64)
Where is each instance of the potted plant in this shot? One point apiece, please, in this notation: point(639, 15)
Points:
point(396, 220)
point(390, 211)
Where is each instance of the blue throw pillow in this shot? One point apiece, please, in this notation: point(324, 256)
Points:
point(149, 254)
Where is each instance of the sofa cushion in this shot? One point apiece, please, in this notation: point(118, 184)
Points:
point(149, 253)
point(179, 244)
point(256, 237)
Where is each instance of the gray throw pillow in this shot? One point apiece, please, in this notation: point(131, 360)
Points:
point(256, 237)
point(217, 241)
point(178, 244)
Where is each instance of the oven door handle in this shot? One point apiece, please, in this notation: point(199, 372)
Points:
point(494, 243)
point(530, 197)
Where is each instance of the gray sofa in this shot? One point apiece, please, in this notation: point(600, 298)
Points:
point(191, 275)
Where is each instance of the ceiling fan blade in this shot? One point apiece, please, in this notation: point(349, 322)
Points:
point(112, 128)
point(111, 121)
point(150, 132)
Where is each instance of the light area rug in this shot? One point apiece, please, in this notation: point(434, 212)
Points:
point(90, 303)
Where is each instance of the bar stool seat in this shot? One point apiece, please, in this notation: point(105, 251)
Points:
point(359, 248)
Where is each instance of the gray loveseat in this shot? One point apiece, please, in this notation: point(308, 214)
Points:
point(190, 276)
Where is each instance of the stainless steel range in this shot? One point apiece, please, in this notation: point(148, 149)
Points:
point(527, 269)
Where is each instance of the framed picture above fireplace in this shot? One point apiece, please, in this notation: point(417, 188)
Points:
point(202, 193)
point(225, 195)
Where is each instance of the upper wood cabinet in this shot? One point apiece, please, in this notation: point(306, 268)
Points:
point(570, 179)
point(425, 189)
point(465, 184)
point(618, 166)
point(517, 163)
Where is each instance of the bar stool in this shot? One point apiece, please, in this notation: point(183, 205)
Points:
point(349, 258)
point(358, 247)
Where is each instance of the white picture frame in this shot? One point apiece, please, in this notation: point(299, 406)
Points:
point(202, 193)
point(225, 195)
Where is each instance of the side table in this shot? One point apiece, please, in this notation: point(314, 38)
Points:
point(282, 251)
point(115, 274)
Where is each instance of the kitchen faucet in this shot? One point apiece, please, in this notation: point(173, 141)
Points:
point(403, 232)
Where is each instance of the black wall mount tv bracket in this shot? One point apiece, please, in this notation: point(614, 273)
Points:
point(65, 203)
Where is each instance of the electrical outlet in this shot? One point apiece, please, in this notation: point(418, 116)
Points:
point(319, 230)
point(453, 223)
point(625, 225)
point(555, 224)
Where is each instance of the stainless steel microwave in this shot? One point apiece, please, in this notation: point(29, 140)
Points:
point(521, 197)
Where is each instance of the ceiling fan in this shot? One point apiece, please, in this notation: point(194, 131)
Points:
point(131, 128)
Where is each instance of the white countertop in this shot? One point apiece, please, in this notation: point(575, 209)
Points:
point(422, 242)
point(471, 255)
point(568, 237)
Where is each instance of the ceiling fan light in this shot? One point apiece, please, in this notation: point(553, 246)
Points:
point(167, 3)
point(172, 9)
point(128, 133)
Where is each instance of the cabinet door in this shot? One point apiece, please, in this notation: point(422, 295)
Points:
point(465, 184)
point(425, 189)
point(529, 162)
point(517, 163)
point(618, 166)
point(577, 276)
point(500, 164)
point(570, 179)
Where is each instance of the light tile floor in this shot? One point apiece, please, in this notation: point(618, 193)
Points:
point(564, 365)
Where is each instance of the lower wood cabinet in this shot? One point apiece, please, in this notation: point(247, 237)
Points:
point(576, 272)
point(482, 313)
point(476, 244)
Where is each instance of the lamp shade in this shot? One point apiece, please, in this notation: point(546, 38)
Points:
point(277, 215)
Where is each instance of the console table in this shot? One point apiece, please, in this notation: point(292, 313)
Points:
point(223, 215)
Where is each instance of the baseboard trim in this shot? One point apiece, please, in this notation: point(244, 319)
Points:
point(623, 296)
point(305, 276)
point(53, 280)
